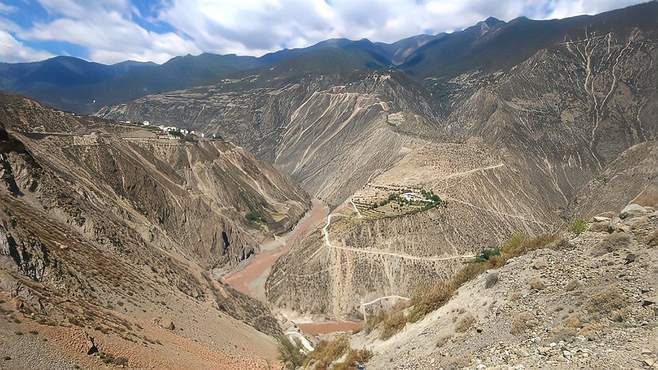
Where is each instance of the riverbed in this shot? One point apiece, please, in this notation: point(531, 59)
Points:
point(251, 278)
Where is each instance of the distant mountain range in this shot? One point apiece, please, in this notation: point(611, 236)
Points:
point(77, 85)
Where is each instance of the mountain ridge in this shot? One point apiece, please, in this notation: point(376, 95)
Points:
point(443, 55)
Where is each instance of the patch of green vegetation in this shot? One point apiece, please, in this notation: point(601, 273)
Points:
point(254, 217)
point(578, 226)
point(487, 253)
point(177, 134)
point(427, 200)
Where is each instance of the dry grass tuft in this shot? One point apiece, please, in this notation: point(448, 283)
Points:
point(354, 358)
point(537, 284)
point(606, 302)
point(464, 323)
point(521, 322)
point(290, 354)
point(326, 352)
point(611, 243)
point(429, 298)
point(393, 323)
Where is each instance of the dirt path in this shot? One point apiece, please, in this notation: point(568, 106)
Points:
point(327, 242)
point(251, 279)
point(465, 173)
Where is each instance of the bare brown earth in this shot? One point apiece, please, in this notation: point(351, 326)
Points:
point(109, 231)
point(250, 280)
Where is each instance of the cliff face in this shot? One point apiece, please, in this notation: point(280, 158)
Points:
point(123, 223)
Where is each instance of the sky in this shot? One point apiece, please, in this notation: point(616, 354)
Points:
point(111, 31)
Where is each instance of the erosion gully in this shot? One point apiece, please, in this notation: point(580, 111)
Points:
point(250, 279)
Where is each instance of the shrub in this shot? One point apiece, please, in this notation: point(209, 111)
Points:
point(253, 217)
point(465, 323)
point(326, 352)
point(578, 226)
point(537, 284)
point(393, 323)
point(521, 322)
point(611, 243)
point(512, 246)
point(606, 302)
point(290, 354)
point(429, 298)
point(354, 358)
point(487, 253)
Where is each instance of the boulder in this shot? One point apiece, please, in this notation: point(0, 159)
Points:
point(598, 227)
point(633, 210)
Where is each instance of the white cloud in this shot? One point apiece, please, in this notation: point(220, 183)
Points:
point(568, 8)
point(113, 30)
point(13, 51)
point(6, 9)
point(108, 31)
point(259, 26)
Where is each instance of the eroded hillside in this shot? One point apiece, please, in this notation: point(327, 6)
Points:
point(109, 232)
point(422, 175)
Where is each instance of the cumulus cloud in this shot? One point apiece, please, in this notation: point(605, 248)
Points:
point(259, 26)
point(568, 8)
point(6, 9)
point(115, 30)
point(107, 29)
point(12, 50)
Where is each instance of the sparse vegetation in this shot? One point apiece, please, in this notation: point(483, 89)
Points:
point(464, 323)
point(487, 253)
point(605, 303)
point(611, 243)
point(254, 217)
point(290, 354)
point(521, 322)
point(578, 226)
point(326, 352)
point(393, 322)
point(430, 297)
point(354, 358)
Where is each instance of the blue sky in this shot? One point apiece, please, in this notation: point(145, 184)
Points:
point(110, 31)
